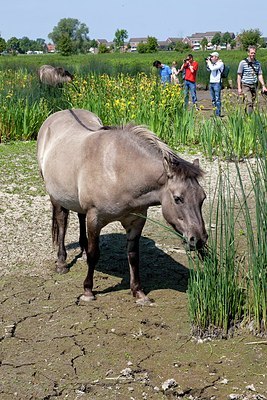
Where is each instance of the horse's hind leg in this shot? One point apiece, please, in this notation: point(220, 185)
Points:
point(83, 242)
point(134, 226)
point(59, 227)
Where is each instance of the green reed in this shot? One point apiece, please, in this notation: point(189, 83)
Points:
point(228, 288)
point(215, 290)
point(255, 216)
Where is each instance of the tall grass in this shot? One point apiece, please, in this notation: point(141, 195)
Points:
point(215, 290)
point(255, 215)
point(228, 288)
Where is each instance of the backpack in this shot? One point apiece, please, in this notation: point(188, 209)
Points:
point(225, 71)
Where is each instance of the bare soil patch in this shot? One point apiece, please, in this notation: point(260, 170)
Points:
point(53, 346)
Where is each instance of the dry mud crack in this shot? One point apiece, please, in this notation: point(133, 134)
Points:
point(53, 346)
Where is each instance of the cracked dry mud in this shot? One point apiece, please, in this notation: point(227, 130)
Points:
point(53, 346)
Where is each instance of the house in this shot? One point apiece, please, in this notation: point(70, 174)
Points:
point(134, 42)
point(174, 40)
point(109, 45)
point(165, 45)
point(196, 39)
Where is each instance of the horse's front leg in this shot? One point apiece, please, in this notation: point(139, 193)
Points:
point(59, 227)
point(134, 226)
point(92, 253)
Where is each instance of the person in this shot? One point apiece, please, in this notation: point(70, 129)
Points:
point(164, 71)
point(175, 73)
point(190, 68)
point(249, 73)
point(215, 66)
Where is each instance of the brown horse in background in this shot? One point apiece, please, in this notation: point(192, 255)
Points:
point(110, 174)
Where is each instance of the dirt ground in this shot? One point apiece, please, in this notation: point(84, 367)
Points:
point(54, 346)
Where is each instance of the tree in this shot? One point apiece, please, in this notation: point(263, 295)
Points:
point(233, 44)
point(40, 44)
point(93, 44)
point(102, 48)
point(141, 48)
point(13, 45)
point(250, 37)
point(2, 44)
point(226, 38)
point(152, 44)
point(120, 36)
point(70, 31)
point(181, 47)
point(65, 45)
point(204, 43)
point(262, 42)
point(217, 39)
point(25, 44)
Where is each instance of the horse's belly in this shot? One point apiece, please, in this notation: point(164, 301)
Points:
point(65, 198)
point(71, 205)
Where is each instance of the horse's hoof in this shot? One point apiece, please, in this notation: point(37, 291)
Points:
point(87, 298)
point(62, 270)
point(144, 301)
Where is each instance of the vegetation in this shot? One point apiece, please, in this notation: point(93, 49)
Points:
point(228, 289)
point(251, 37)
point(120, 36)
point(151, 46)
point(70, 36)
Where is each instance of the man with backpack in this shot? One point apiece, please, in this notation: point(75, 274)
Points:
point(249, 73)
point(215, 66)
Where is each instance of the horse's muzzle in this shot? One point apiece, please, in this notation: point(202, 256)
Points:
point(196, 244)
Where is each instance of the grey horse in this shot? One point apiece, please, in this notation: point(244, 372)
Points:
point(54, 76)
point(110, 174)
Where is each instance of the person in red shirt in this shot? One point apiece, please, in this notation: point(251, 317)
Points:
point(190, 68)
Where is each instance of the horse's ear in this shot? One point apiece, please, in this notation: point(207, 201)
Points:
point(167, 168)
point(196, 162)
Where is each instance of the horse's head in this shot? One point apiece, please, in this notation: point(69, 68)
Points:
point(182, 200)
point(64, 74)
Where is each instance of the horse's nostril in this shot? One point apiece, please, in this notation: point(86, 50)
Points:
point(200, 243)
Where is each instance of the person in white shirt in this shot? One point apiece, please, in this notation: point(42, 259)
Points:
point(175, 72)
point(215, 66)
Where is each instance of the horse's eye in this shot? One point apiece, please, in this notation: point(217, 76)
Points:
point(178, 199)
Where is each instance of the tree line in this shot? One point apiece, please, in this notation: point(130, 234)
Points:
point(70, 36)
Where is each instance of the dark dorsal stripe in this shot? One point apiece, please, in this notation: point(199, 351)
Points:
point(80, 122)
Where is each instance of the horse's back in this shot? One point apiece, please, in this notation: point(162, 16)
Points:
point(62, 127)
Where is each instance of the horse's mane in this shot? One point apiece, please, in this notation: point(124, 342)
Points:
point(147, 139)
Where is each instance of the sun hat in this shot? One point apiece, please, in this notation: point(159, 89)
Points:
point(215, 53)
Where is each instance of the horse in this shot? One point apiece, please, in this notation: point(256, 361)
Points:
point(106, 174)
point(54, 76)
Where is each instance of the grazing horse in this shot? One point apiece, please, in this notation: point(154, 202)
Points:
point(110, 174)
point(53, 76)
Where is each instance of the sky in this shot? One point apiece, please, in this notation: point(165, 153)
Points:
point(140, 18)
